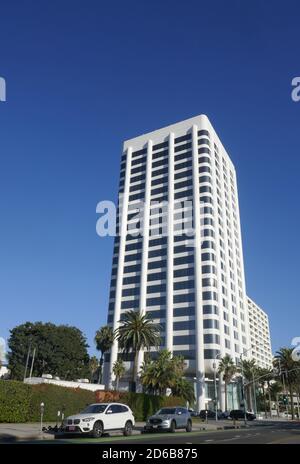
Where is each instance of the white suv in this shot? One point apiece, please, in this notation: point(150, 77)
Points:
point(98, 418)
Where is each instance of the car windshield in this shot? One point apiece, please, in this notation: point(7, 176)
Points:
point(94, 409)
point(167, 411)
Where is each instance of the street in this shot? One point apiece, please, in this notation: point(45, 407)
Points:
point(259, 433)
point(284, 433)
point(281, 432)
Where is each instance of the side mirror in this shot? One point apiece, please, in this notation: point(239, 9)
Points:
point(179, 413)
point(109, 411)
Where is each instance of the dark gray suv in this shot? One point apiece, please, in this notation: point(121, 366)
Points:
point(169, 419)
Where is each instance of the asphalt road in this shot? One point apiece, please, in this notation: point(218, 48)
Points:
point(285, 433)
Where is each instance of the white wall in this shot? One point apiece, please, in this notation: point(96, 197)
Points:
point(65, 383)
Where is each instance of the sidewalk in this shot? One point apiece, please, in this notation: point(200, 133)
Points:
point(10, 433)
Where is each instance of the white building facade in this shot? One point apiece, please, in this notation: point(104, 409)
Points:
point(186, 269)
point(260, 338)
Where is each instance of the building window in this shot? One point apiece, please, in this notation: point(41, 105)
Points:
point(210, 324)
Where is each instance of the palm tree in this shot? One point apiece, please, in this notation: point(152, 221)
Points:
point(135, 333)
point(156, 374)
point(264, 377)
point(248, 368)
point(118, 370)
point(94, 366)
point(183, 389)
point(228, 369)
point(167, 372)
point(274, 390)
point(297, 388)
point(148, 376)
point(285, 364)
point(104, 339)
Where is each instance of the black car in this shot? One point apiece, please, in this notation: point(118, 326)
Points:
point(237, 414)
point(209, 414)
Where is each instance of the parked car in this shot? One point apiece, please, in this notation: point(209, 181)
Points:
point(225, 415)
point(98, 418)
point(193, 413)
point(240, 414)
point(169, 419)
point(209, 414)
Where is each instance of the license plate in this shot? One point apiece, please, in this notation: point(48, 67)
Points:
point(72, 428)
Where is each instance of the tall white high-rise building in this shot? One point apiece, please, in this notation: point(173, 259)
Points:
point(193, 287)
point(261, 348)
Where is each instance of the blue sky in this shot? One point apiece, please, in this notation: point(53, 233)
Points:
point(82, 77)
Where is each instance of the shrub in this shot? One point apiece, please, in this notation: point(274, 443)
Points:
point(56, 398)
point(20, 402)
point(142, 404)
point(15, 400)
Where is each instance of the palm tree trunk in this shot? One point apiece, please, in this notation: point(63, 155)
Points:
point(270, 403)
point(117, 384)
point(248, 395)
point(292, 400)
point(134, 371)
point(100, 368)
point(226, 403)
point(265, 401)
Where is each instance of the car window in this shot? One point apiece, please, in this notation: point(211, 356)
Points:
point(182, 410)
point(115, 408)
point(167, 411)
point(94, 409)
point(124, 409)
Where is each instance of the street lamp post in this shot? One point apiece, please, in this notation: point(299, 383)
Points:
point(42, 405)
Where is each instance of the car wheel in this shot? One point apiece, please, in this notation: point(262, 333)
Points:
point(189, 426)
point(98, 430)
point(127, 429)
point(173, 426)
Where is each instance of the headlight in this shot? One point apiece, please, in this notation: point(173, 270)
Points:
point(165, 422)
point(88, 419)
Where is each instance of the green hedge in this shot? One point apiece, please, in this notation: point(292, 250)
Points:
point(21, 403)
point(142, 404)
point(55, 398)
point(15, 399)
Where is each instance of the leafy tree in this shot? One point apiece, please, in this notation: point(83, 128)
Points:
point(59, 350)
point(136, 333)
point(119, 371)
point(227, 368)
point(104, 339)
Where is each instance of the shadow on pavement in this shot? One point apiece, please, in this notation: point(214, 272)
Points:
point(6, 438)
